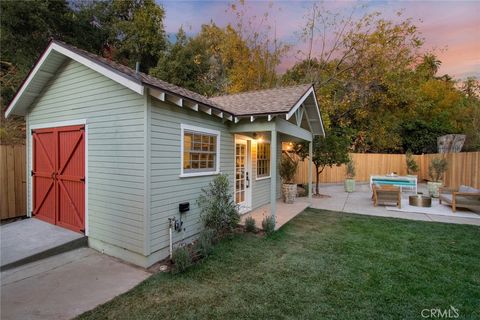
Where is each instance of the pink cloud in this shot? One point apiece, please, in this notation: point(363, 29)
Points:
point(454, 26)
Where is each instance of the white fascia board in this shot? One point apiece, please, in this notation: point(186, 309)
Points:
point(318, 111)
point(22, 89)
point(133, 85)
point(299, 103)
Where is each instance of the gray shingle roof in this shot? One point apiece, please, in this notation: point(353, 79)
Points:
point(269, 101)
point(277, 100)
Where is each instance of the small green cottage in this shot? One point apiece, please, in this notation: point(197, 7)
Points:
point(113, 153)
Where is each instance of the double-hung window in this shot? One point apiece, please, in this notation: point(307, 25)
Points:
point(263, 160)
point(200, 151)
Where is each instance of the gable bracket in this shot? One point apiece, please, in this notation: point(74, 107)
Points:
point(299, 115)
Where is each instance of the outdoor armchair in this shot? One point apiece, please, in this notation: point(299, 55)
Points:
point(386, 194)
point(464, 197)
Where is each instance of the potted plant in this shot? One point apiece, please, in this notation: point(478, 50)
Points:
point(436, 170)
point(350, 180)
point(412, 166)
point(288, 168)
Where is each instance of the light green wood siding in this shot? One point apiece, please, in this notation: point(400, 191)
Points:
point(115, 118)
point(167, 188)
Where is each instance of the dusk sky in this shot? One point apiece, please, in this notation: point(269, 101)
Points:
point(450, 27)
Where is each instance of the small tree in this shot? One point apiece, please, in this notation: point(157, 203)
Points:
point(412, 165)
point(288, 168)
point(330, 151)
point(437, 168)
point(218, 210)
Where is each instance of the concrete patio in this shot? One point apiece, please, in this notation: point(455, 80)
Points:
point(27, 240)
point(360, 202)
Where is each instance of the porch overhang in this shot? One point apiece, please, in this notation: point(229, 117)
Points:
point(274, 126)
point(278, 125)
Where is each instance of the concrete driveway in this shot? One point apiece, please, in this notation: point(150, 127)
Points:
point(65, 285)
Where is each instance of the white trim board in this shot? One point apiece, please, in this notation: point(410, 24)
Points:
point(247, 204)
point(299, 103)
point(184, 127)
point(256, 162)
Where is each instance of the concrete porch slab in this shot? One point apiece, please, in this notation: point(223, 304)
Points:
point(27, 238)
point(285, 212)
point(65, 285)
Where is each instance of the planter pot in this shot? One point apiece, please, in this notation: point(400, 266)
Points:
point(289, 192)
point(433, 188)
point(349, 185)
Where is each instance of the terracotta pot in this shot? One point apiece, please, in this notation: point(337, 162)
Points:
point(289, 192)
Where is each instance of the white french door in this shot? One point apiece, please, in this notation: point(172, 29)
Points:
point(243, 175)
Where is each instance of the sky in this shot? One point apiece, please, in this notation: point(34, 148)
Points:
point(451, 28)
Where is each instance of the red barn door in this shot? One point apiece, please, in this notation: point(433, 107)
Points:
point(59, 176)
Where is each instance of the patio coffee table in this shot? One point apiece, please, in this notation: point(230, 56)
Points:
point(420, 201)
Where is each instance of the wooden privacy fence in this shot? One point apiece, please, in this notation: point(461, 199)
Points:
point(12, 181)
point(463, 168)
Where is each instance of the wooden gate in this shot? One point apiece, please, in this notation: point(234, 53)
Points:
point(58, 176)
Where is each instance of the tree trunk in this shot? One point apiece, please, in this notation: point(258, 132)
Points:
point(318, 171)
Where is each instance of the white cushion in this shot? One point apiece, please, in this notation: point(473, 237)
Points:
point(468, 189)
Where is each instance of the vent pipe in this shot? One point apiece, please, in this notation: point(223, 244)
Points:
point(137, 67)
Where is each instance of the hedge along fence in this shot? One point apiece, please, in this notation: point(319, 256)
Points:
point(463, 168)
point(12, 181)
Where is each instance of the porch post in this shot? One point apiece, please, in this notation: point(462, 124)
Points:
point(310, 160)
point(273, 173)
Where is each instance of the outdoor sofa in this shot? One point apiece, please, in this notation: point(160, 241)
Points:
point(465, 197)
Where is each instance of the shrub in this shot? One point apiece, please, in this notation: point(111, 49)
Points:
point(288, 168)
point(218, 210)
point(268, 225)
point(181, 259)
point(437, 169)
point(412, 165)
point(250, 224)
point(205, 242)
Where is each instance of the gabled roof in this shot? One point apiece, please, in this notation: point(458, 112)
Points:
point(270, 102)
point(132, 79)
point(261, 102)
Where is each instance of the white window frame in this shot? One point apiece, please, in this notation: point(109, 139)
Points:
point(187, 127)
point(256, 163)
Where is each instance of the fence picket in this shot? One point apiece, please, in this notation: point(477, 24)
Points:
point(12, 181)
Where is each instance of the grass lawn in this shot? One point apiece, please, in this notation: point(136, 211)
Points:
point(324, 265)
